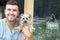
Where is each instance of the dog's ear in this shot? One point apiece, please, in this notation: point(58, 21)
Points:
point(29, 16)
point(21, 15)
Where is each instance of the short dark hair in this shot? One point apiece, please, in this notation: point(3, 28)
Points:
point(13, 2)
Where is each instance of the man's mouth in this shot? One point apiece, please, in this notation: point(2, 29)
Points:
point(11, 15)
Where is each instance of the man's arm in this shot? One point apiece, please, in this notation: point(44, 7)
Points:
point(29, 37)
point(27, 32)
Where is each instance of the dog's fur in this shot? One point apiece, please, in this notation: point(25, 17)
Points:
point(25, 20)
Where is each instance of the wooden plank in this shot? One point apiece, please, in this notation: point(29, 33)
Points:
point(29, 8)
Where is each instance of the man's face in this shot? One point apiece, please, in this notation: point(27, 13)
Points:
point(11, 12)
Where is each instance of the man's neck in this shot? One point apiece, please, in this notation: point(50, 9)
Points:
point(10, 23)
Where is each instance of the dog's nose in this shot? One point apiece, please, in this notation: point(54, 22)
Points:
point(25, 21)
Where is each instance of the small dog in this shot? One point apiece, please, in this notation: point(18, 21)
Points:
point(25, 20)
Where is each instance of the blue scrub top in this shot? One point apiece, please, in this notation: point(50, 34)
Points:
point(9, 34)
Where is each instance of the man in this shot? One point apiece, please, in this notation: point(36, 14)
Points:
point(8, 24)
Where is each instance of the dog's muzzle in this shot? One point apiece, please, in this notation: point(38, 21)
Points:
point(25, 21)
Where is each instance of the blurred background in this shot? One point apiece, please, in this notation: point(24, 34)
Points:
point(43, 9)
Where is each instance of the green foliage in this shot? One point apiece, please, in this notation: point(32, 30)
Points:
point(41, 33)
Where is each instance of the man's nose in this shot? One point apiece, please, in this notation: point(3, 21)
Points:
point(11, 12)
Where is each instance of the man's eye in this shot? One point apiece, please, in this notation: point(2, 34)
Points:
point(9, 9)
point(14, 10)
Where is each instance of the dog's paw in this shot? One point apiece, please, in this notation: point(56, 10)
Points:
point(17, 29)
point(32, 29)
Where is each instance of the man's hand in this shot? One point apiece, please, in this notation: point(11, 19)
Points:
point(27, 32)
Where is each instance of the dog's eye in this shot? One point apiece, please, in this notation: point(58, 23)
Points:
point(27, 18)
point(23, 18)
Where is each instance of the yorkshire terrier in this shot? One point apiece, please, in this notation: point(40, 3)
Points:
point(24, 21)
